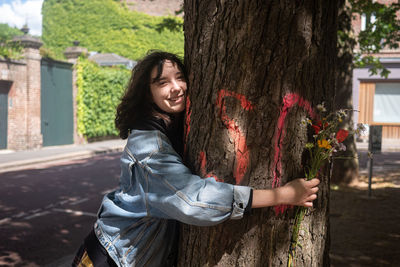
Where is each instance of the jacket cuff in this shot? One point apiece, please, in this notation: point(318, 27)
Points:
point(249, 204)
point(241, 196)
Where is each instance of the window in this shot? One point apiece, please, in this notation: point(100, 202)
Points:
point(366, 20)
point(387, 103)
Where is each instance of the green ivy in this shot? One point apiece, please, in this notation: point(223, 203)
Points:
point(8, 48)
point(106, 26)
point(99, 92)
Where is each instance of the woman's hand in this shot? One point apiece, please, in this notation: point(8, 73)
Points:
point(298, 192)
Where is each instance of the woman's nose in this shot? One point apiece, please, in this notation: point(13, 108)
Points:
point(175, 85)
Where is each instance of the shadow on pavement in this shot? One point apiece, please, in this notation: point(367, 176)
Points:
point(365, 230)
point(46, 212)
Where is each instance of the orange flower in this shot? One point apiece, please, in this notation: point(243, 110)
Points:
point(324, 144)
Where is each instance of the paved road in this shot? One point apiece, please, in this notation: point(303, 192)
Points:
point(47, 210)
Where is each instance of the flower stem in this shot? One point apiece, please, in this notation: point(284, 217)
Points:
point(294, 242)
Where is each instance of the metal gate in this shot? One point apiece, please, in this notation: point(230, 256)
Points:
point(57, 124)
point(4, 88)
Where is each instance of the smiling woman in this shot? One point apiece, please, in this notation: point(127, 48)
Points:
point(16, 13)
point(168, 87)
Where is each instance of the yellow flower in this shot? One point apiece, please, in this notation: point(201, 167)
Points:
point(340, 120)
point(324, 144)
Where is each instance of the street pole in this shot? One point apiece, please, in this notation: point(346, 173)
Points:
point(371, 162)
point(374, 146)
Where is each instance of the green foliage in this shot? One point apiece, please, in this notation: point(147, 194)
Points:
point(105, 26)
point(8, 48)
point(99, 92)
point(374, 64)
point(46, 52)
point(382, 33)
point(7, 32)
point(173, 24)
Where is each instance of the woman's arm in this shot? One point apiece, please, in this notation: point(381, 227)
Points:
point(298, 192)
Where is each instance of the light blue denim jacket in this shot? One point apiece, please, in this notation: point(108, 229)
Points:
point(137, 223)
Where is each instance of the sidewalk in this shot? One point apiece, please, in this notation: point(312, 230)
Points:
point(14, 160)
point(388, 145)
point(387, 160)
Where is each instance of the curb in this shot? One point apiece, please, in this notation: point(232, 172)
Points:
point(23, 164)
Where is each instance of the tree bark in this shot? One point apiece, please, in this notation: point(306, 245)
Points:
point(256, 68)
point(345, 168)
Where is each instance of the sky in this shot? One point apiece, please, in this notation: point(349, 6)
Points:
point(18, 12)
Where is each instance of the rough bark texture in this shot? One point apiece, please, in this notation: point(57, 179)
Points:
point(255, 68)
point(345, 170)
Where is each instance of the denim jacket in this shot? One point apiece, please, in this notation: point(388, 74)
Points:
point(137, 224)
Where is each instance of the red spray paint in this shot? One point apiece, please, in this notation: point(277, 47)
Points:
point(187, 123)
point(241, 150)
point(203, 168)
point(289, 101)
point(239, 139)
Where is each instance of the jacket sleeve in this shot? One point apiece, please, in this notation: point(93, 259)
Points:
point(173, 192)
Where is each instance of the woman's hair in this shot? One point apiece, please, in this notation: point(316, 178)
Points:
point(137, 101)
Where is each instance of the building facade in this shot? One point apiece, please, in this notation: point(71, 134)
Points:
point(20, 94)
point(37, 99)
point(377, 98)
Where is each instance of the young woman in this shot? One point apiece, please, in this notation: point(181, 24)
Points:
point(137, 225)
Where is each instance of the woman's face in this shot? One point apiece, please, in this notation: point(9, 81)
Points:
point(170, 89)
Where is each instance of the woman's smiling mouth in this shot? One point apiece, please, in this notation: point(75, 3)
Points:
point(177, 99)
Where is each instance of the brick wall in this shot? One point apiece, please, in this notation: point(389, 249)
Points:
point(34, 136)
point(23, 130)
point(17, 103)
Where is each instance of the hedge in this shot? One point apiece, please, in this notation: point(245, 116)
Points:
point(105, 26)
point(99, 93)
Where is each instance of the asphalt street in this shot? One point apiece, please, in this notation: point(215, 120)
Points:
point(47, 210)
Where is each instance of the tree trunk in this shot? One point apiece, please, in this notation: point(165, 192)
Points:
point(256, 68)
point(345, 168)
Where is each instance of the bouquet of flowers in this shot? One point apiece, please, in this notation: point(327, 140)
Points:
point(328, 137)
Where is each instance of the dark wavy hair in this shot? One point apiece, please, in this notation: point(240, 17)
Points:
point(137, 101)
